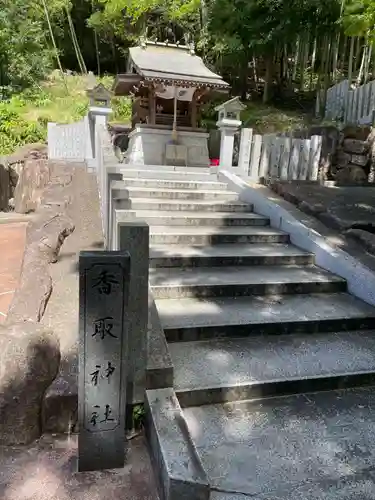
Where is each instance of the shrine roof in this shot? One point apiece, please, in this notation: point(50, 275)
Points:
point(174, 64)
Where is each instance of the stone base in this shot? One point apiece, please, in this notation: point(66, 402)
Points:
point(148, 146)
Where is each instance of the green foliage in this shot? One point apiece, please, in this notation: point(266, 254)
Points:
point(24, 117)
point(138, 416)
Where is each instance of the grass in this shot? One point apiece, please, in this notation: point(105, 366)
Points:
point(24, 118)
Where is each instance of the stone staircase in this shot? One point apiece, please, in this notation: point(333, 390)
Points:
point(247, 317)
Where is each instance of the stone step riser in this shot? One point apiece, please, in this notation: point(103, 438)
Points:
point(181, 195)
point(169, 168)
point(185, 207)
point(216, 239)
point(240, 290)
point(200, 221)
point(282, 260)
point(174, 184)
point(194, 334)
point(261, 390)
point(170, 175)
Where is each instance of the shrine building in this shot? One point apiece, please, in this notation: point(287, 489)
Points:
point(168, 84)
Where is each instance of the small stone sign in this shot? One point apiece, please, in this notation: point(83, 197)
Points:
point(104, 279)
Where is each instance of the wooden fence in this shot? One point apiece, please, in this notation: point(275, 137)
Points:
point(351, 106)
point(274, 157)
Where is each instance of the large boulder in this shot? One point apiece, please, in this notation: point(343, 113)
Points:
point(29, 362)
point(45, 235)
point(33, 178)
point(354, 146)
point(350, 176)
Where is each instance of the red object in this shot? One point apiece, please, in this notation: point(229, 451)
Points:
point(215, 162)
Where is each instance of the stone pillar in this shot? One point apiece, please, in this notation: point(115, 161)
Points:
point(97, 116)
point(133, 237)
point(227, 129)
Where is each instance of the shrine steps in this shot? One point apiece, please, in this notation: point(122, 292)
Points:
point(246, 316)
point(160, 173)
point(179, 194)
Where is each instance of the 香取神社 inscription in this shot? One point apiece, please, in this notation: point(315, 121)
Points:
point(104, 277)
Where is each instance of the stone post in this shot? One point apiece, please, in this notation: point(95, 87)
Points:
point(103, 353)
point(133, 237)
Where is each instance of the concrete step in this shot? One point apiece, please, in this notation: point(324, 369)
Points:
point(213, 219)
point(240, 281)
point(188, 319)
point(191, 206)
point(135, 173)
point(313, 447)
point(181, 194)
point(228, 255)
point(217, 371)
point(168, 168)
point(206, 235)
point(162, 183)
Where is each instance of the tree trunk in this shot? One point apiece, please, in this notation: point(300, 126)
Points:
point(313, 60)
point(268, 79)
point(305, 55)
point(351, 56)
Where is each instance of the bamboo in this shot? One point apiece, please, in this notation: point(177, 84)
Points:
point(54, 44)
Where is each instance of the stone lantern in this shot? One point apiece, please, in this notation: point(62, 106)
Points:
point(229, 122)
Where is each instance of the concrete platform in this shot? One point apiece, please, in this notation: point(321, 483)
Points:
point(239, 281)
point(228, 255)
point(233, 369)
point(306, 447)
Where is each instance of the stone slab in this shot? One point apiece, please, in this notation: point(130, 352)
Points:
point(177, 183)
point(162, 218)
point(243, 368)
point(173, 283)
point(180, 472)
point(180, 194)
point(133, 237)
point(196, 205)
point(195, 318)
point(310, 446)
point(227, 255)
point(103, 336)
point(159, 372)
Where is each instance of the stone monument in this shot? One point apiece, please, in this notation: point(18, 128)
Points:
point(103, 289)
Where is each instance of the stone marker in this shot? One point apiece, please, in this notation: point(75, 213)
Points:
point(133, 237)
point(103, 288)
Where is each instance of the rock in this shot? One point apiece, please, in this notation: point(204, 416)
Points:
point(351, 175)
point(29, 361)
point(33, 178)
point(342, 158)
point(355, 146)
point(45, 236)
point(360, 160)
point(359, 133)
